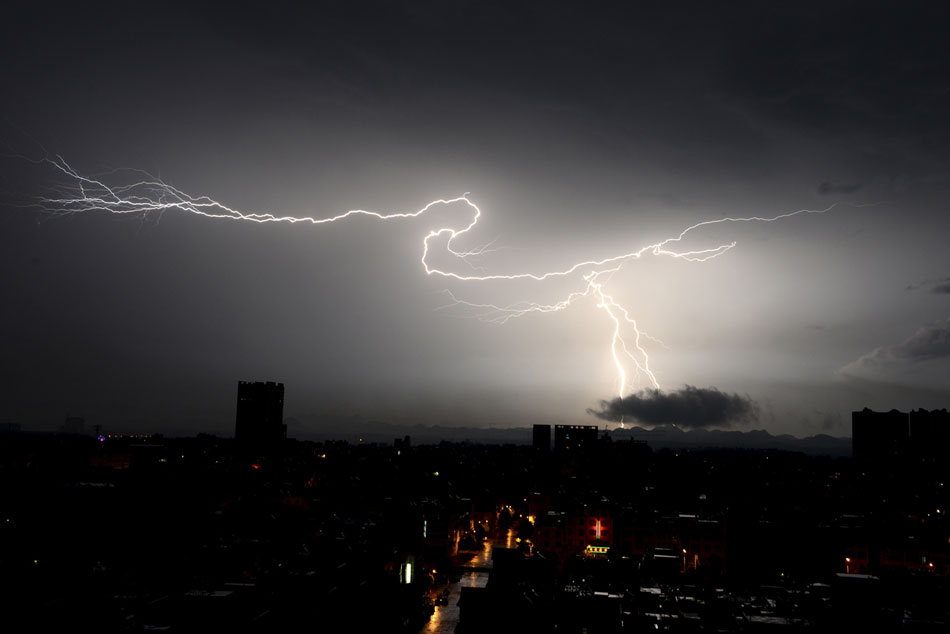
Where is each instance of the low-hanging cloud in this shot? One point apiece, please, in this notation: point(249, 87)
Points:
point(938, 287)
point(931, 341)
point(942, 287)
point(827, 188)
point(689, 406)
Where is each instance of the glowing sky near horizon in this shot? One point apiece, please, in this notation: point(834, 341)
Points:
point(142, 195)
point(589, 133)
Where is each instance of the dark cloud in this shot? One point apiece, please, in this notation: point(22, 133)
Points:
point(687, 407)
point(844, 82)
point(942, 287)
point(931, 341)
point(939, 287)
point(827, 188)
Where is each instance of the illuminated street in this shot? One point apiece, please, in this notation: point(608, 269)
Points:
point(446, 617)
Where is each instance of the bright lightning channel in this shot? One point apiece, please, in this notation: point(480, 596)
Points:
point(151, 195)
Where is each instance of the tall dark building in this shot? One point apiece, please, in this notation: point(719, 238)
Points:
point(886, 437)
point(260, 413)
point(74, 425)
point(541, 438)
point(574, 437)
point(879, 436)
point(929, 434)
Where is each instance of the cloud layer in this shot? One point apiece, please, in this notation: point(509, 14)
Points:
point(942, 287)
point(930, 342)
point(827, 188)
point(938, 287)
point(687, 407)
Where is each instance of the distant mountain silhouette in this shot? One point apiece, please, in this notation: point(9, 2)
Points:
point(662, 437)
point(672, 437)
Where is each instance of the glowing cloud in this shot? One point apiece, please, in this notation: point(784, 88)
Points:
point(149, 195)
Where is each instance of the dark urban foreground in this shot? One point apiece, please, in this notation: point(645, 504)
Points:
point(199, 534)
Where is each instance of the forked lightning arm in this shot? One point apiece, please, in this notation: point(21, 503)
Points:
point(151, 195)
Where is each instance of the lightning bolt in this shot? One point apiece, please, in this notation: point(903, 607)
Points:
point(150, 196)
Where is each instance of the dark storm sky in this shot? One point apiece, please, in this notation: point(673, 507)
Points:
point(582, 131)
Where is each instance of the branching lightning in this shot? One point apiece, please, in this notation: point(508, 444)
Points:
point(150, 195)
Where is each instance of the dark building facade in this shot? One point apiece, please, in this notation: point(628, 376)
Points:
point(888, 436)
point(541, 438)
point(260, 413)
point(879, 435)
point(74, 425)
point(929, 434)
point(574, 437)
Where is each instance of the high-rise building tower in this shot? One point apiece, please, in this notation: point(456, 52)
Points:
point(74, 425)
point(574, 437)
point(541, 438)
point(880, 437)
point(260, 414)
